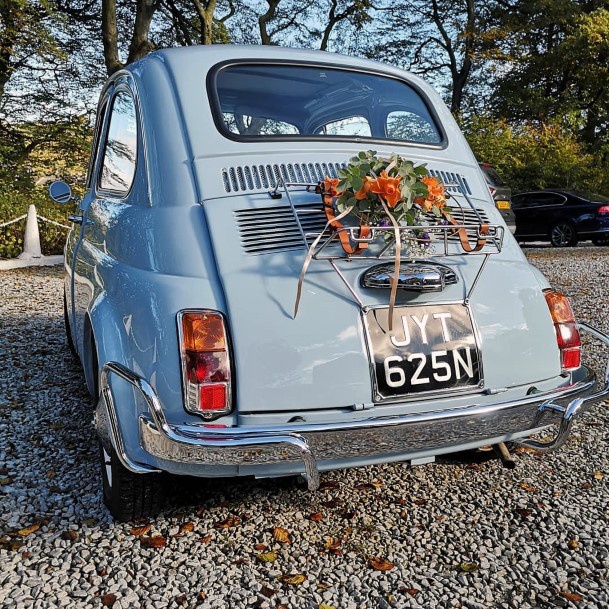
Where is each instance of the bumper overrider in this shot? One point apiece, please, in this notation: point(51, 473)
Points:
point(387, 438)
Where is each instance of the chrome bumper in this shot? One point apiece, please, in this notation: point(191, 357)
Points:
point(389, 437)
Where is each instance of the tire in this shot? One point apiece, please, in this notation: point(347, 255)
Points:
point(601, 241)
point(563, 234)
point(129, 496)
point(66, 325)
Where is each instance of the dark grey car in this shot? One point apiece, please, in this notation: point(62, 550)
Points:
point(502, 194)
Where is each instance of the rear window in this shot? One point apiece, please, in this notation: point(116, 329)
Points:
point(297, 102)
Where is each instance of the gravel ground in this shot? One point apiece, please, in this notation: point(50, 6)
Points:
point(451, 534)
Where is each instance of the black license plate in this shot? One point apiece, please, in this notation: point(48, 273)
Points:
point(431, 348)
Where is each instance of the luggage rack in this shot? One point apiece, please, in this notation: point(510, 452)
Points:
point(317, 245)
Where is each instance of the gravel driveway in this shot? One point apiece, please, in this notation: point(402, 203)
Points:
point(449, 534)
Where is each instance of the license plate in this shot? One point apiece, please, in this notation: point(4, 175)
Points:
point(503, 204)
point(431, 348)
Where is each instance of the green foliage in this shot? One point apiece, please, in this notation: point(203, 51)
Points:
point(532, 156)
point(16, 203)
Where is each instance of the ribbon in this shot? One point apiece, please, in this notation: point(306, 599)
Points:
point(344, 236)
point(463, 238)
point(396, 265)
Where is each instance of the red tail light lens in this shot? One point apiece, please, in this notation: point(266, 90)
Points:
point(206, 374)
point(603, 211)
point(567, 334)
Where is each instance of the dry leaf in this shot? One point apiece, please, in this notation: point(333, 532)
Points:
point(206, 539)
point(70, 535)
point(281, 535)
point(347, 515)
point(181, 600)
point(328, 485)
point(202, 595)
point(598, 475)
point(89, 522)
point(187, 527)
point(332, 503)
point(267, 557)
point(50, 474)
point(572, 596)
point(523, 512)
point(259, 547)
point(331, 543)
point(316, 517)
point(323, 586)
point(156, 541)
point(5, 481)
point(469, 567)
point(231, 521)
point(26, 555)
point(267, 591)
point(411, 591)
point(325, 606)
point(294, 580)
point(11, 544)
point(28, 530)
point(139, 531)
point(108, 600)
point(529, 488)
point(366, 486)
point(380, 564)
point(420, 501)
point(573, 544)
point(587, 485)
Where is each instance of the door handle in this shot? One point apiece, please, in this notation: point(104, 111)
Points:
point(79, 220)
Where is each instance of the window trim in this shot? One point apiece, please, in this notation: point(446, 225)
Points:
point(118, 194)
point(216, 110)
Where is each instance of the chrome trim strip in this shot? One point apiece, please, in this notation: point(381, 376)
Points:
point(390, 436)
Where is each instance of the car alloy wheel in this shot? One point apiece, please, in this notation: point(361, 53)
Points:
point(563, 234)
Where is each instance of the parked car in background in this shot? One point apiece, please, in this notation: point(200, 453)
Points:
point(212, 178)
point(501, 193)
point(563, 217)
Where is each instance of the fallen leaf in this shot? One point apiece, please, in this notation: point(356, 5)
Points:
point(206, 539)
point(295, 579)
point(242, 561)
point(332, 503)
point(156, 541)
point(420, 501)
point(267, 557)
point(267, 591)
point(187, 527)
point(523, 512)
point(316, 517)
point(28, 530)
point(89, 522)
point(70, 535)
point(587, 485)
point(26, 555)
point(5, 481)
point(325, 606)
point(366, 486)
point(51, 474)
point(598, 475)
point(573, 544)
point(202, 595)
point(259, 547)
point(347, 515)
point(103, 572)
point(529, 488)
point(181, 600)
point(231, 521)
point(108, 600)
point(55, 489)
point(328, 485)
point(468, 567)
point(411, 591)
point(11, 544)
point(572, 596)
point(331, 543)
point(380, 564)
point(526, 449)
point(323, 586)
point(281, 535)
point(439, 517)
point(139, 531)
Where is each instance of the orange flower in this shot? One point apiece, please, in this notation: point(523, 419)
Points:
point(330, 185)
point(435, 188)
point(362, 193)
point(388, 188)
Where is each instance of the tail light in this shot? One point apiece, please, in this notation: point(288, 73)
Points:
point(603, 210)
point(206, 373)
point(567, 334)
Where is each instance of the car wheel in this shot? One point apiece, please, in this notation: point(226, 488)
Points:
point(129, 496)
point(601, 241)
point(66, 325)
point(563, 234)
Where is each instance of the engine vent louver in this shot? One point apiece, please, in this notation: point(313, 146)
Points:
point(271, 230)
point(244, 178)
point(275, 229)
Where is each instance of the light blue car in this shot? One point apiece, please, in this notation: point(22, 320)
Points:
point(202, 220)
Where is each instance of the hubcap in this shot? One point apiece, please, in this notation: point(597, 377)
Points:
point(107, 466)
point(562, 234)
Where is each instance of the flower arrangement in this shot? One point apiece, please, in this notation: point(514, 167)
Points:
point(384, 192)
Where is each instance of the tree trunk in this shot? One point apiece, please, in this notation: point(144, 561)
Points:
point(140, 44)
point(205, 11)
point(265, 19)
point(110, 37)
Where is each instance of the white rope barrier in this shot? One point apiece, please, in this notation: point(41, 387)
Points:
point(51, 221)
point(13, 221)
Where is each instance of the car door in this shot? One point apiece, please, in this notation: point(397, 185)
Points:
point(535, 212)
point(113, 175)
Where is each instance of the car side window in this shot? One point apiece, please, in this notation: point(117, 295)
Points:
point(120, 151)
point(95, 146)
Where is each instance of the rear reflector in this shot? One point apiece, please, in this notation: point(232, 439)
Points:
point(206, 374)
point(603, 211)
point(567, 334)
